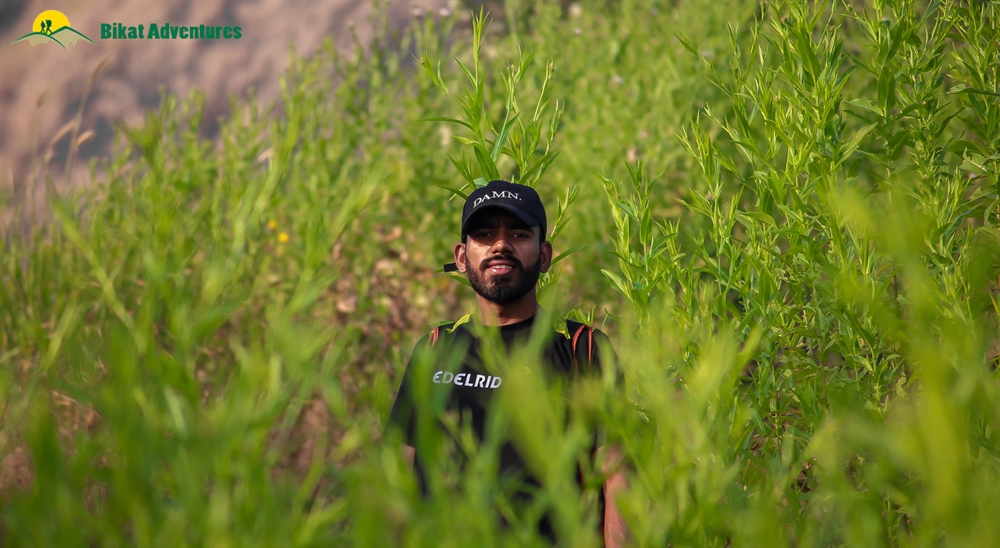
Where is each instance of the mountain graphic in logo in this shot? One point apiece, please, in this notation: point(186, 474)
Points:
point(50, 27)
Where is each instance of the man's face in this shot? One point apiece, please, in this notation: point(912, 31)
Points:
point(502, 256)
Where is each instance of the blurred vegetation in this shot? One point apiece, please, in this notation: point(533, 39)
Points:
point(786, 216)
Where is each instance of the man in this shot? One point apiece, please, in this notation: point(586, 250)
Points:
point(503, 251)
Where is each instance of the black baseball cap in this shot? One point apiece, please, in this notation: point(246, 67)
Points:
point(520, 200)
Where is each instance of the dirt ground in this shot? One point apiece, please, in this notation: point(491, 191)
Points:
point(41, 86)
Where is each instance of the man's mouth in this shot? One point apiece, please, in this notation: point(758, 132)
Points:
point(501, 268)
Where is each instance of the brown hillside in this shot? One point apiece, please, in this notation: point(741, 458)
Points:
point(41, 86)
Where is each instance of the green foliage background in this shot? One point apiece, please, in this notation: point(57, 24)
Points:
point(787, 219)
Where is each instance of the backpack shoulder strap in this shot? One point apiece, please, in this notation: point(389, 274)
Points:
point(435, 333)
point(580, 334)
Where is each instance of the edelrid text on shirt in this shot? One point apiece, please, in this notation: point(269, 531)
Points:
point(467, 379)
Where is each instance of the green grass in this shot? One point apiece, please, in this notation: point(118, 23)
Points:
point(786, 218)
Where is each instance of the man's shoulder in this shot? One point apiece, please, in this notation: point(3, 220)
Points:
point(575, 333)
point(576, 330)
point(446, 330)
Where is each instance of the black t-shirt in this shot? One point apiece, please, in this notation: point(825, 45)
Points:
point(469, 388)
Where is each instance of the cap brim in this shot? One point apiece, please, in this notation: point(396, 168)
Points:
point(528, 219)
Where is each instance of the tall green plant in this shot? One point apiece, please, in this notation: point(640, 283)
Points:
point(519, 137)
point(520, 134)
point(818, 139)
point(204, 349)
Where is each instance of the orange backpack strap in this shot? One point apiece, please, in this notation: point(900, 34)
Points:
point(575, 342)
point(578, 329)
point(590, 345)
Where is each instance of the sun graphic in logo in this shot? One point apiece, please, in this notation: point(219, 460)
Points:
point(53, 26)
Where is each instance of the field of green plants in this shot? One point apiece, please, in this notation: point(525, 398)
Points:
point(784, 214)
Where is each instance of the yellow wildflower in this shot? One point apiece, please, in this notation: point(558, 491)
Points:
point(272, 224)
point(283, 237)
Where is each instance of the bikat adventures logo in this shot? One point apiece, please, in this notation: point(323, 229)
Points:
point(167, 31)
point(53, 27)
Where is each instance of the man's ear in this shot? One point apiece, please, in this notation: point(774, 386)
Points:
point(460, 257)
point(546, 251)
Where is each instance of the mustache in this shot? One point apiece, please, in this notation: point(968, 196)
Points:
point(503, 258)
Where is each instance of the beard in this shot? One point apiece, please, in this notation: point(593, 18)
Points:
point(507, 288)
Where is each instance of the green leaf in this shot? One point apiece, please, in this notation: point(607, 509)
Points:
point(446, 119)
point(465, 140)
point(761, 216)
point(962, 89)
point(627, 209)
point(805, 46)
point(959, 146)
point(463, 320)
point(618, 281)
point(464, 168)
point(486, 164)
point(502, 137)
point(460, 278)
point(886, 90)
point(855, 141)
point(540, 167)
point(686, 43)
point(566, 253)
point(865, 104)
point(472, 79)
point(454, 191)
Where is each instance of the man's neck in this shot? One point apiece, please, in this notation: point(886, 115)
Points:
point(492, 313)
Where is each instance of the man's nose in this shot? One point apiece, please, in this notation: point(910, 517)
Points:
point(502, 245)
